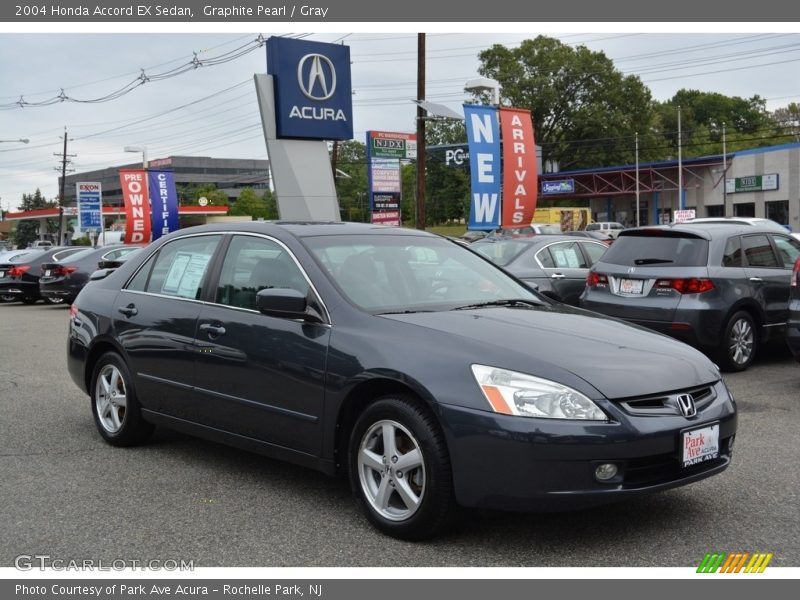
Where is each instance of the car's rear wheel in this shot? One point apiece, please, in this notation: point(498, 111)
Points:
point(400, 469)
point(739, 343)
point(116, 411)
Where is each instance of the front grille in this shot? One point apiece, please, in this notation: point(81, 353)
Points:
point(667, 404)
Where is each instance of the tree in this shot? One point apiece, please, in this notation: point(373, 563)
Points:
point(190, 194)
point(27, 230)
point(249, 203)
point(787, 121)
point(351, 181)
point(585, 112)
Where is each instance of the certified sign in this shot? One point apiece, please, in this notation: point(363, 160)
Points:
point(313, 95)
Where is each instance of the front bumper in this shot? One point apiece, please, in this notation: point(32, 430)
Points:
point(522, 464)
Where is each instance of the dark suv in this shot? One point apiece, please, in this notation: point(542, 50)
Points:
point(722, 288)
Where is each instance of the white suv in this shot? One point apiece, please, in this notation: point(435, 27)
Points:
point(609, 228)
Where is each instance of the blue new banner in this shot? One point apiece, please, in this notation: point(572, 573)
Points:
point(163, 202)
point(483, 137)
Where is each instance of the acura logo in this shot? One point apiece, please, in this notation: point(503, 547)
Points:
point(631, 269)
point(686, 405)
point(316, 77)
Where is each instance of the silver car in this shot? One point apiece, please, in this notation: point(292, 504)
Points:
point(723, 288)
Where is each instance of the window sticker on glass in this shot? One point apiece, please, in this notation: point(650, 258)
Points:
point(185, 273)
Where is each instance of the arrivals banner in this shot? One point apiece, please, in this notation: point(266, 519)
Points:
point(519, 167)
point(137, 205)
point(164, 202)
point(483, 137)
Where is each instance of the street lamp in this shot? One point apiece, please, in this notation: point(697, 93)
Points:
point(142, 149)
point(21, 140)
point(483, 84)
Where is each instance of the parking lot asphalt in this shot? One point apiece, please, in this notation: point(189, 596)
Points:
point(67, 494)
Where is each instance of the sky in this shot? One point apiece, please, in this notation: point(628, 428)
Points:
point(211, 110)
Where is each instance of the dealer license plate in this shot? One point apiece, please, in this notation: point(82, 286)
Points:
point(631, 286)
point(2, 274)
point(700, 445)
point(47, 273)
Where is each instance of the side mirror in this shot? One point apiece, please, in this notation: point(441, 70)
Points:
point(285, 303)
point(100, 274)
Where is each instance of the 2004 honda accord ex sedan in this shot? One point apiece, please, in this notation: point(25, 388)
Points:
point(423, 372)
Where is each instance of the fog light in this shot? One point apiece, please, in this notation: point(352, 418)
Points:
point(606, 471)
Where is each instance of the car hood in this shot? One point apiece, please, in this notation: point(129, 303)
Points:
point(617, 359)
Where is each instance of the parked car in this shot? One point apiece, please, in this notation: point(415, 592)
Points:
point(6, 257)
point(556, 264)
point(747, 221)
point(609, 228)
point(41, 244)
point(526, 231)
point(65, 278)
point(19, 276)
point(723, 288)
point(421, 370)
point(592, 235)
point(793, 329)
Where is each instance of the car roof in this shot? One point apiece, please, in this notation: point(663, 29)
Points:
point(301, 229)
point(707, 230)
point(541, 238)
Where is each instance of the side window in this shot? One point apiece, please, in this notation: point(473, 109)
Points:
point(181, 266)
point(566, 255)
point(594, 252)
point(733, 253)
point(758, 251)
point(546, 259)
point(253, 264)
point(788, 250)
point(139, 281)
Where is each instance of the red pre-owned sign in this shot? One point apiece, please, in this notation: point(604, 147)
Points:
point(137, 206)
point(519, 167)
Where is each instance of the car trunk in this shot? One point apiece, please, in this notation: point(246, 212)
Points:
point(646, 269)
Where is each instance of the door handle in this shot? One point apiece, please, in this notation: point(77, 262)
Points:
point(129, 310)
point(212, 330)
point(756, 280)
point(558, 276)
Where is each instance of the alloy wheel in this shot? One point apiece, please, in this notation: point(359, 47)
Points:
point(111, 398)
point(741, 342)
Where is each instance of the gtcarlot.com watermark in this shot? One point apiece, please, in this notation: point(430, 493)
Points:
point(44, 562)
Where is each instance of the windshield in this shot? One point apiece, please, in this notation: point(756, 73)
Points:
point(402, 273)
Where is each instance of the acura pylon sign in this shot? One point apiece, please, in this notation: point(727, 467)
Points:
point(313, 98)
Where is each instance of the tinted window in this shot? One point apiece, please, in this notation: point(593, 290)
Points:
point(181, 266)
point(657, 250)
point(593, 227)
point(788, 250)
point(593, 251)
point(758, 251)
point(139, 281)
point(733, 253)
point(62, 254)
point(253, 264)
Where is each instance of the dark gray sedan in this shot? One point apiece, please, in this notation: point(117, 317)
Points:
point(723, 288)
point(425, 374)
point(556, 264)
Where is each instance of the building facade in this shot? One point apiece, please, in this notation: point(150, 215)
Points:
point(759, 182)
point(230, 175)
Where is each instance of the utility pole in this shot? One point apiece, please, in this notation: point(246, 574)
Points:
point(724, 174)
point(638, 222)
point(64, 160)
point(680, 162)
point(421, 114)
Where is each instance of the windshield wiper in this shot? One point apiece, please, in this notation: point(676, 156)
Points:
point(652, 261)
point(511, 302)
point(402, 312)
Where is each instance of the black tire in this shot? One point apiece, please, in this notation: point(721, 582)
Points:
point(739, 343)
point(120, 425)
point(8, 298)
point(413, 429)
point(29, 300)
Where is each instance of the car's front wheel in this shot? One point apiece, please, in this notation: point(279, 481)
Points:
point(400, 469)
point(739, 343)
point(116, 411)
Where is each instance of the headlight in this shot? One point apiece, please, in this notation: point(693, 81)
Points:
point(512, 393)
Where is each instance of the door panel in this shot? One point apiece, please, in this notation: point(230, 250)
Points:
point(768, 278)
